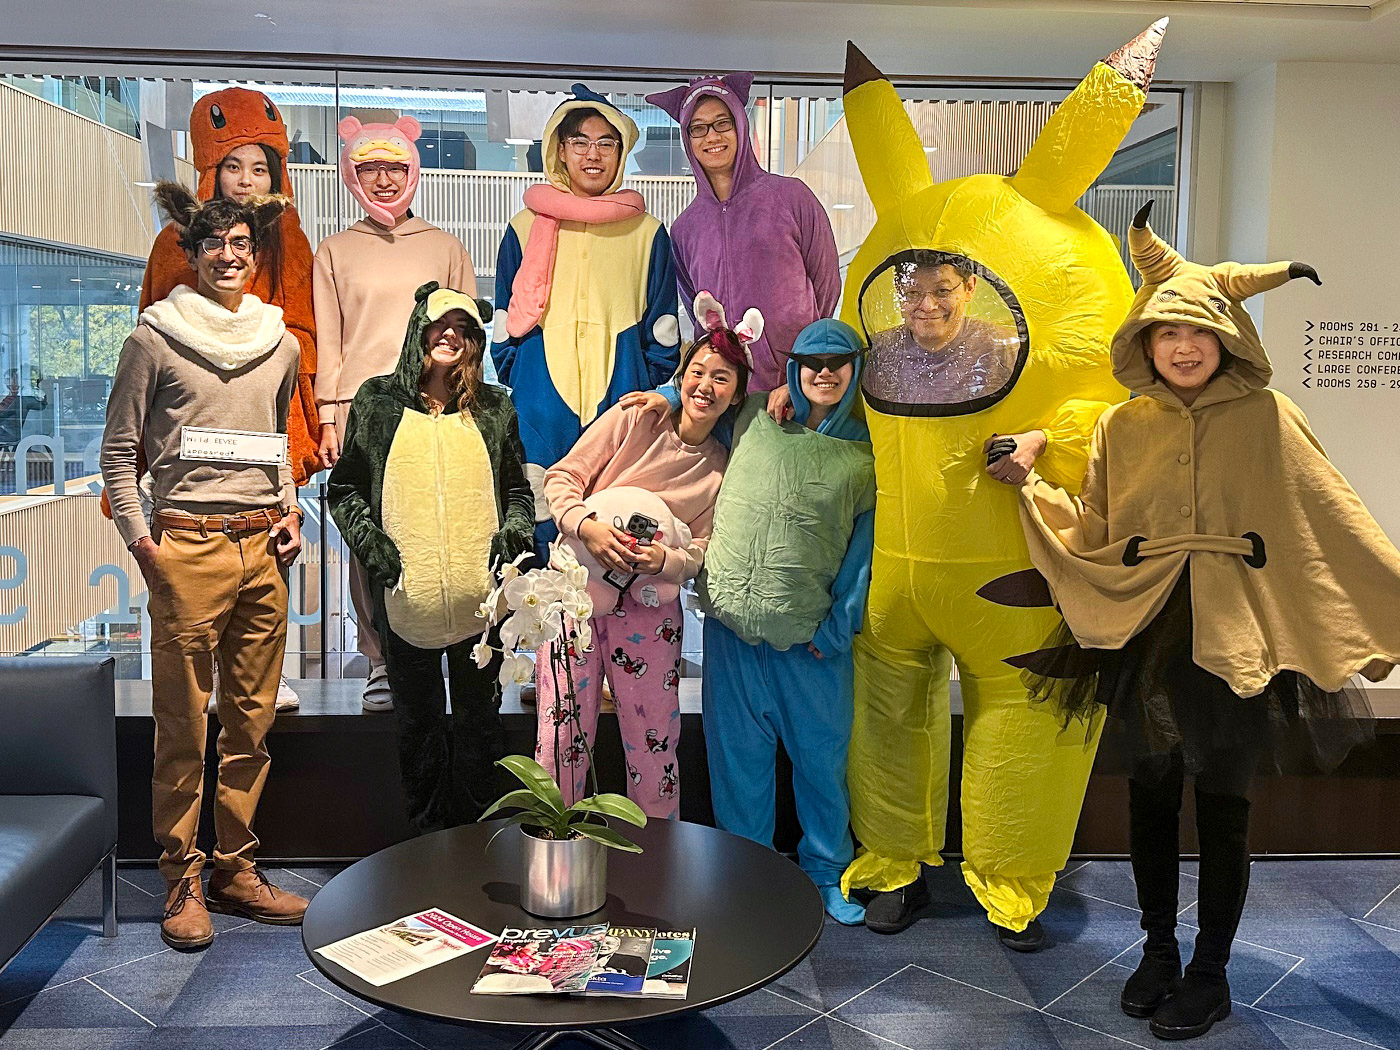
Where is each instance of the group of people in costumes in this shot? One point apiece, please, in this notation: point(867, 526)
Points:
point(999, 458)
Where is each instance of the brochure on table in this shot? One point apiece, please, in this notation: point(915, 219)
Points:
point(406, 946)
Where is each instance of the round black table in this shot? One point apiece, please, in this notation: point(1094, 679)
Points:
point(755, 913)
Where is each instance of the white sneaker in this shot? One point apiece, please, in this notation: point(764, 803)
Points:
point(287, 699)
point(377, 694)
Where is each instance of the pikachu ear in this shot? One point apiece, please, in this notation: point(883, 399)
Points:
point(892, 162)
point(1077, 143)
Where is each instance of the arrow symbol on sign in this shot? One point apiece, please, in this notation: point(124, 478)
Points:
point(1309, 327)
point(1307, 369)
point(1307, 383)
point(1309, 340)
point(1307, 354)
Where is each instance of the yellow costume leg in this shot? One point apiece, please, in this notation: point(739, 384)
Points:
point(1023, 776)
point(898, 767)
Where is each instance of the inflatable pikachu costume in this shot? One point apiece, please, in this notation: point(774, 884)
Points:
point(989, 304)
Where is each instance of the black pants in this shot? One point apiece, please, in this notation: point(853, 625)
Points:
point(1222, 826)
point(447, 762)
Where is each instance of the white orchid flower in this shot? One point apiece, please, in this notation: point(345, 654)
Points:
point(583, 636)
point(534, 590)
point(512, 570)
point(481, 653)
point(516, 669)
point(578, 604)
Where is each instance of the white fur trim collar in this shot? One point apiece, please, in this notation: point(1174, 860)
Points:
point(225, 339)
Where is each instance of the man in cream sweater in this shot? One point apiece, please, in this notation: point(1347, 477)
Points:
point(204, 384)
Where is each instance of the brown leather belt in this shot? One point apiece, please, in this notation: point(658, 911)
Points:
point(228, 524)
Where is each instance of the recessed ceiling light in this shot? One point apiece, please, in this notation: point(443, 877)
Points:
point(842, 207)
point(36, 286)
point(520, 142)
point(145, 185)
point(76, 280)
point(429, 145)
point(930, 149)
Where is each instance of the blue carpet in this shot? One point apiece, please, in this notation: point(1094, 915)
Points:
point(1317, 967)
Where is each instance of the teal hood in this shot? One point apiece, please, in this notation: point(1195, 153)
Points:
point(819, 339)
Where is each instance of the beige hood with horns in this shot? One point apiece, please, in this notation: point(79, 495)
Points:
point(1289, 571)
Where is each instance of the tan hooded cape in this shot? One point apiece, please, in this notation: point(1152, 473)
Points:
point(1318, 591)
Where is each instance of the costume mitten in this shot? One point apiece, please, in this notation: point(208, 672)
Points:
point(1154, 811)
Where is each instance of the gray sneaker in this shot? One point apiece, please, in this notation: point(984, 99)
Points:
point(287, 699)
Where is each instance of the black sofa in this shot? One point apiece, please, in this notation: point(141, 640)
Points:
point(58, 790)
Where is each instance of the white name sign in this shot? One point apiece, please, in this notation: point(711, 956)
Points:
point(233, 446)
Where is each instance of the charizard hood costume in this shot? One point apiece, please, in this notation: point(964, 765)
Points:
point(1289, 571)
point(427, 503)
point(1049, 290)
point(219, 124)
point(769, 245)
point(586, 302)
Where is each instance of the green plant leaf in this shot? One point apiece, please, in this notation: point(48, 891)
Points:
point(611, 805)
point(607, 836)
point(533, 776)
point(521, 799)
point(509, 822)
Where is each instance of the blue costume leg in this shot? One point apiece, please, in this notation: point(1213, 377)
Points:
point(740, 738)
point(815, 702)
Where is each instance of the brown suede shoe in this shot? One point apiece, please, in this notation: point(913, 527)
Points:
point(249, 894)
point(186, 926)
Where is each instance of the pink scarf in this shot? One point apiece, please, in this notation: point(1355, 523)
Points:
point(529, 292)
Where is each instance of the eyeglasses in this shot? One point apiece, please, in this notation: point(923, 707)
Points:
point(830, 362)
point(913, 294)
point(580, 145)
point(241, 247)
point(373, 168)
point(723, 126)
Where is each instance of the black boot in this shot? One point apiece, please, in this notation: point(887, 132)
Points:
point(1154, 812)
point(1203, 997)
point(896, 910)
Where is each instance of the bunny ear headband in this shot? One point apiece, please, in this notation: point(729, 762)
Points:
point(732, 343)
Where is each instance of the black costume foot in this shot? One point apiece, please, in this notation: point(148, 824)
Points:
point(896, 910)
point(1144, 991)
point(1031, 939)
point(1192, 1007)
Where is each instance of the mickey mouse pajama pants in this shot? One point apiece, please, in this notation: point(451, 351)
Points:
point(639, 650)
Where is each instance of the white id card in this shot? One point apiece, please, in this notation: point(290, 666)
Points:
point(232, 446)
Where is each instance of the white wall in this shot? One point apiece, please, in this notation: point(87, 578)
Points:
point(1312, 173)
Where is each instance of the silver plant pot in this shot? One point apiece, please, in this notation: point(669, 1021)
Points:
point(562, 877)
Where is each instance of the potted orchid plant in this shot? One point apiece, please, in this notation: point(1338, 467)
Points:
point(564, 844)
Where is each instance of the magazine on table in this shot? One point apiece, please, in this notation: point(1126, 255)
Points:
point(406, 946)
point(668, 976)
point(623, 961)
point(541, 961)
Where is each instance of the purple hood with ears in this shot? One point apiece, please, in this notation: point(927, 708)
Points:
point(769, 245)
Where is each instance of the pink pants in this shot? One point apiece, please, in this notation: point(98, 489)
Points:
point(639, 649)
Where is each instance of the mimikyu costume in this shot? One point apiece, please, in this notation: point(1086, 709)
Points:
point(769, 245)
point(788, 565)
point(1224, 582)
point(585, 300)
point(1049, 291)
point(427, 504)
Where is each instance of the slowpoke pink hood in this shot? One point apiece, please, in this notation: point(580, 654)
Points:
point(394, 143)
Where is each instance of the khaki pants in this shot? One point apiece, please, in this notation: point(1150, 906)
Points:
point(361, 598)
point(224, 595)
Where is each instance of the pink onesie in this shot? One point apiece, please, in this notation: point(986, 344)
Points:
point(637, 645)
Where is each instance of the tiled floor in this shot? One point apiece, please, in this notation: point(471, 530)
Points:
point(1317, 968)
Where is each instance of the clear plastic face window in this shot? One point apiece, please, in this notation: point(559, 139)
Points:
point(947, 336)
